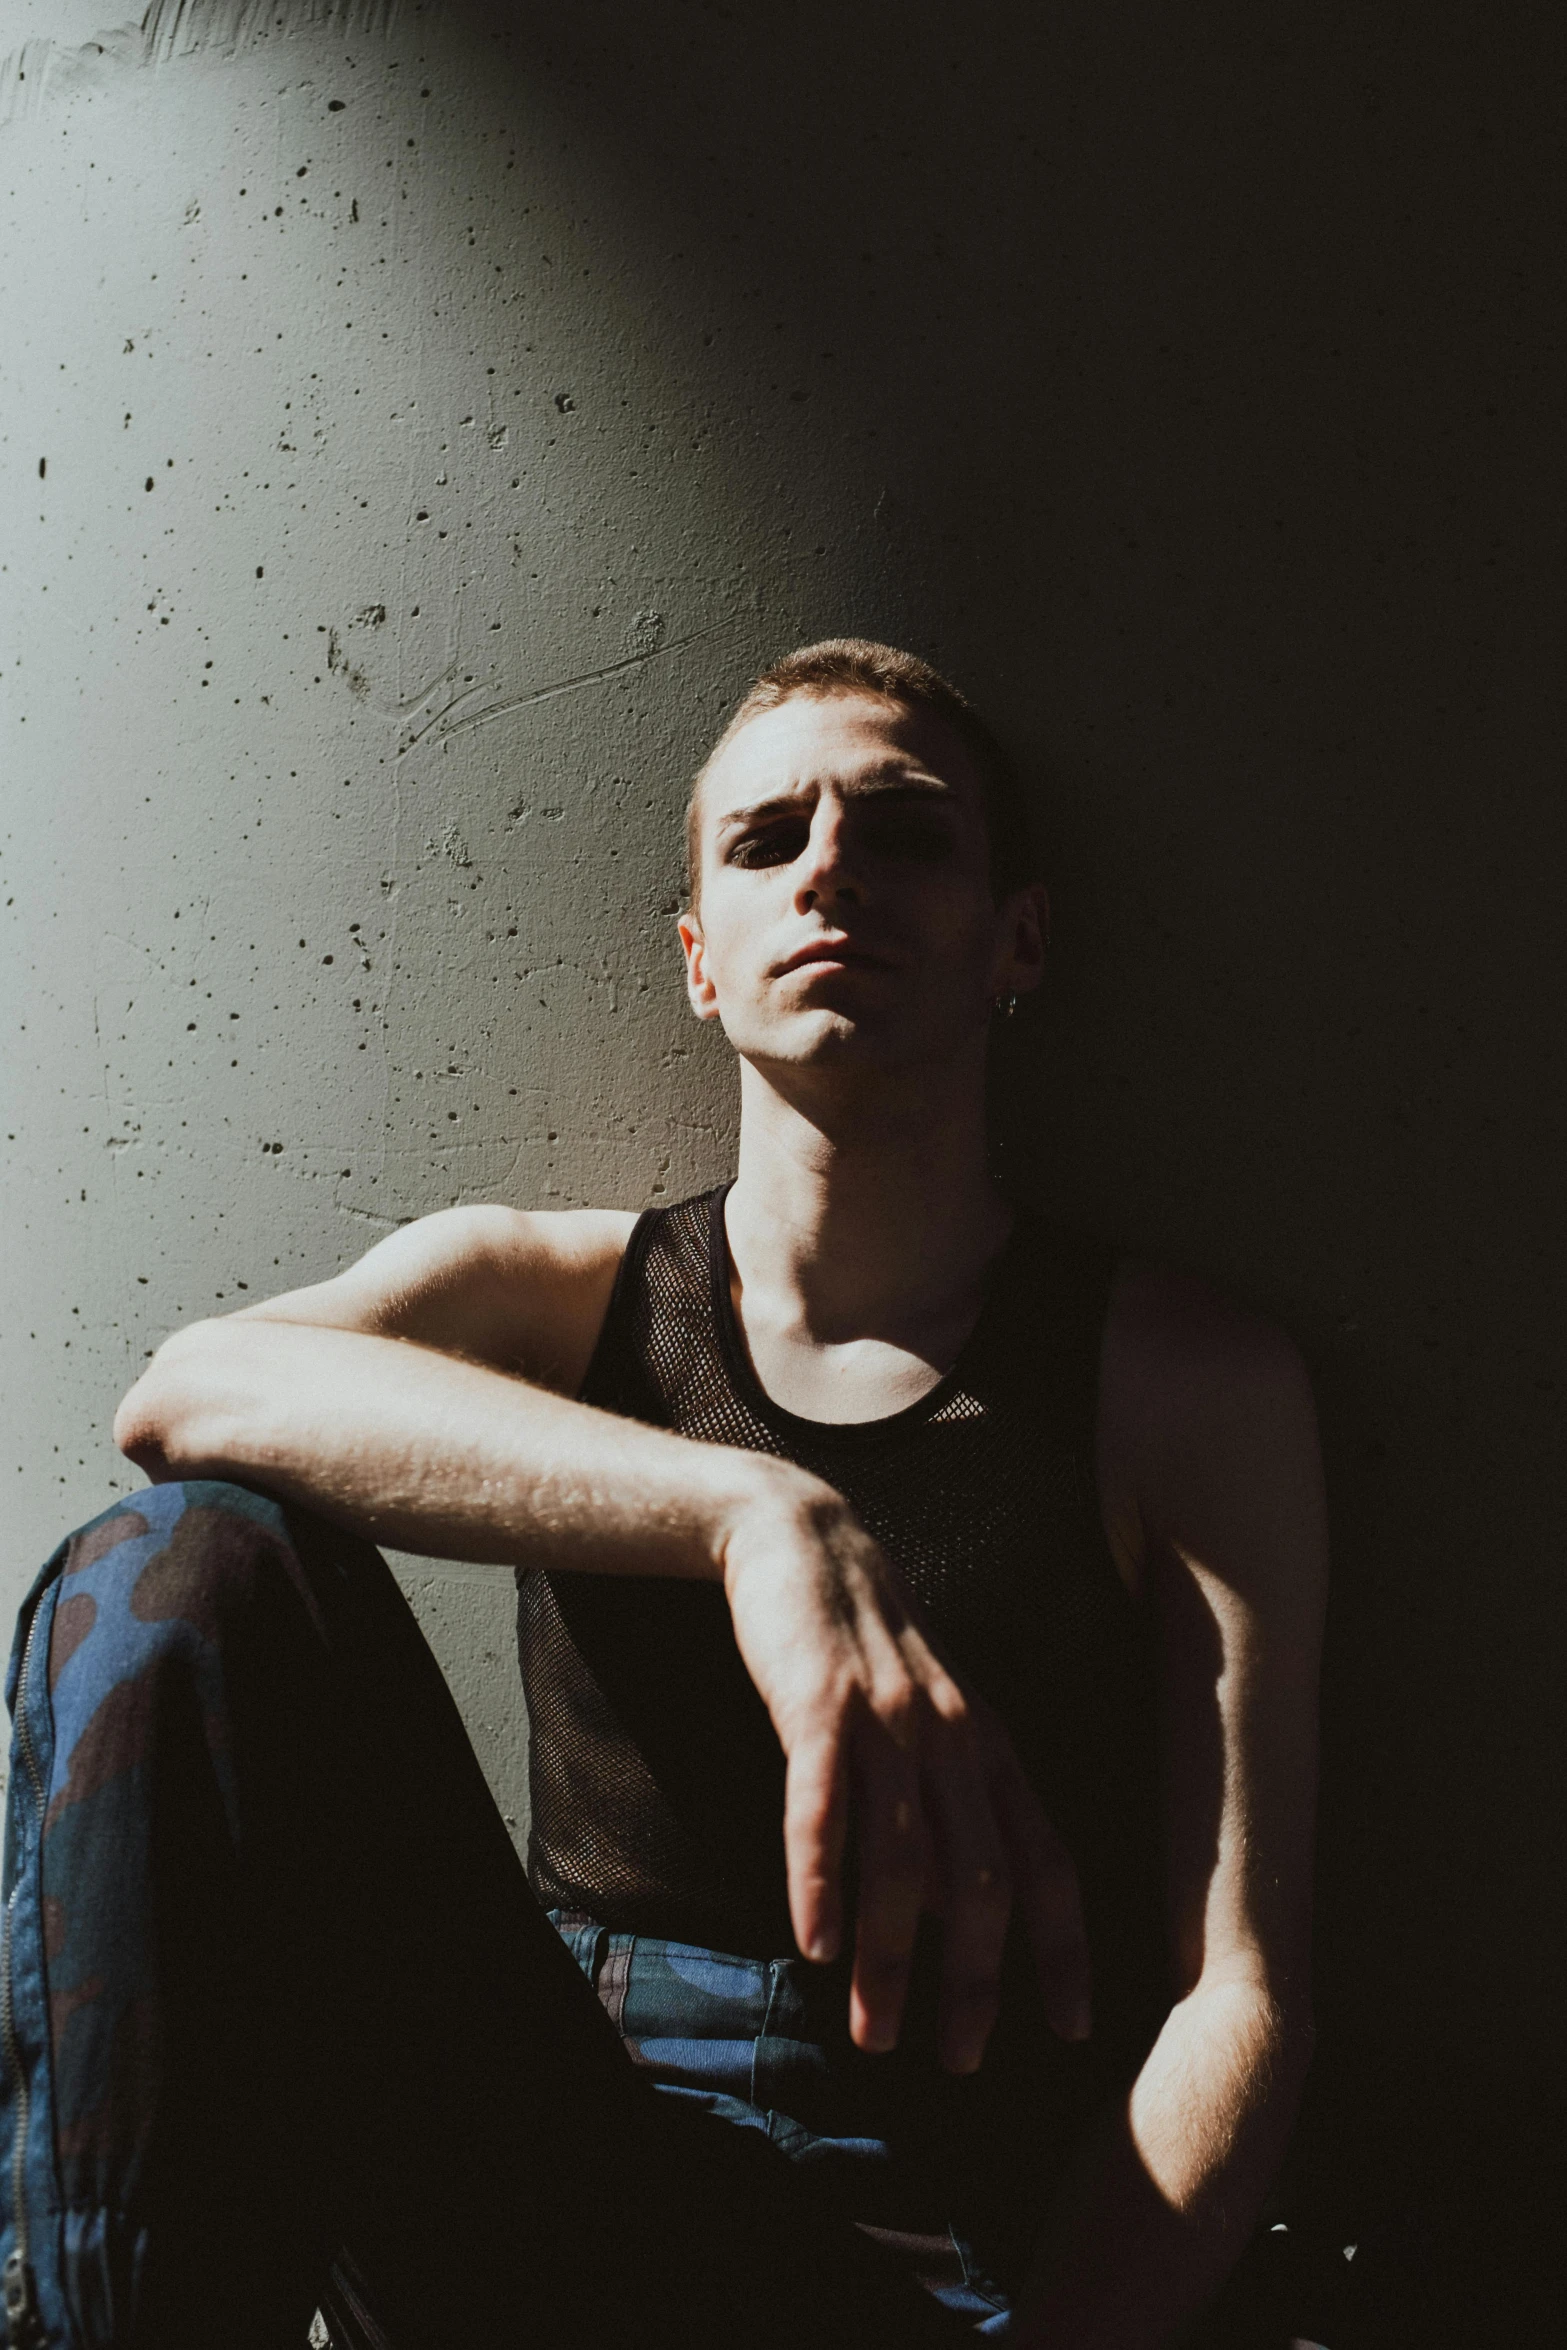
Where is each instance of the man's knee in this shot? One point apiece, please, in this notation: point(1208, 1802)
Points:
point(175, 1608)
point(179, 1562)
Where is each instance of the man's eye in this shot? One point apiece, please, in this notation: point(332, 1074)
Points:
point(776, 844)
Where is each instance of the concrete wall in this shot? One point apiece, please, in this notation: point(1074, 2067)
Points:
point(418, 422)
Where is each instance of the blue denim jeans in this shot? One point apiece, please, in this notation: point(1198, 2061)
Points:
point(282, 2024)
point(749, 2042)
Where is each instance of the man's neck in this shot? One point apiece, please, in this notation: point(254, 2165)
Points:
point(865, 1210)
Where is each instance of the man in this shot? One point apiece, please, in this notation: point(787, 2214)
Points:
point(849, 1497)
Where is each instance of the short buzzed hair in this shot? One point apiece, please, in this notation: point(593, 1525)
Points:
point(856, 665)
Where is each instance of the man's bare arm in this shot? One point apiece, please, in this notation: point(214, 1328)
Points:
point(425, 1398)
point(394, 1401)
point(1209, 1441)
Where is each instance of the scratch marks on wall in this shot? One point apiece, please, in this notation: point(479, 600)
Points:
point(445, 721)
point(171, 29)
point(177, 28)
point(368, 1216)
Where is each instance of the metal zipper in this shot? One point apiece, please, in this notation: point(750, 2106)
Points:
point(21, 2302)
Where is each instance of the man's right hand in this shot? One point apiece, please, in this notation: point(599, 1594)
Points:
point(875, 1726)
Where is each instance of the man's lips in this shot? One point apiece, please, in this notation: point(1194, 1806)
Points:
point(840, 951)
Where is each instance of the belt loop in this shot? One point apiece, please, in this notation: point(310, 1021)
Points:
point(775, 1981)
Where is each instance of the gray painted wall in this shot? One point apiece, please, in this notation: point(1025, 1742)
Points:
point(418, 422)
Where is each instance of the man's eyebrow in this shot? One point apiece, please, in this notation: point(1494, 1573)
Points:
point(899, 785)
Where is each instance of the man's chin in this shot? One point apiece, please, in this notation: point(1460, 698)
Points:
point(828, 1040)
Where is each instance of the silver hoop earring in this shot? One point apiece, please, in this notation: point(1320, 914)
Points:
point(1003, 1006)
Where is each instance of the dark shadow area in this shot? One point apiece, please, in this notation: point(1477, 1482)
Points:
point(1192, 389)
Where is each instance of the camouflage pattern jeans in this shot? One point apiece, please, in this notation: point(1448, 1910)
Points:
point(283, 2025)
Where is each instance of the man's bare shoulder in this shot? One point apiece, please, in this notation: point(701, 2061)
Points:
point(522, 1289)
point(455, 1242)
point(1181, 1342)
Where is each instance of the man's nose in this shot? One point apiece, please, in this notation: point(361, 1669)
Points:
point(828, 872)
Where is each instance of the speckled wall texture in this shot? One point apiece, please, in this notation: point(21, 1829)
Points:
point(417, 423)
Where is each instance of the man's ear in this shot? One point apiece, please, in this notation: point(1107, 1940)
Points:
point(699, 988)
point(1026, 939)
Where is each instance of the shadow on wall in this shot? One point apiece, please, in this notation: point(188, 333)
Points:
point(1181, 386)
point(1196, 379)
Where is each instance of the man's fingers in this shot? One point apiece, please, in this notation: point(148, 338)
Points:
point(976, 1901)
point(1047, 1893)
point(893, 1852)
point(816, 1819)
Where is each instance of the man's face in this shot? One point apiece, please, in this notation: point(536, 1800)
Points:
point(845, 906)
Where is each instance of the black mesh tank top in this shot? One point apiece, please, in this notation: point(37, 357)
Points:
point(656, 1778)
